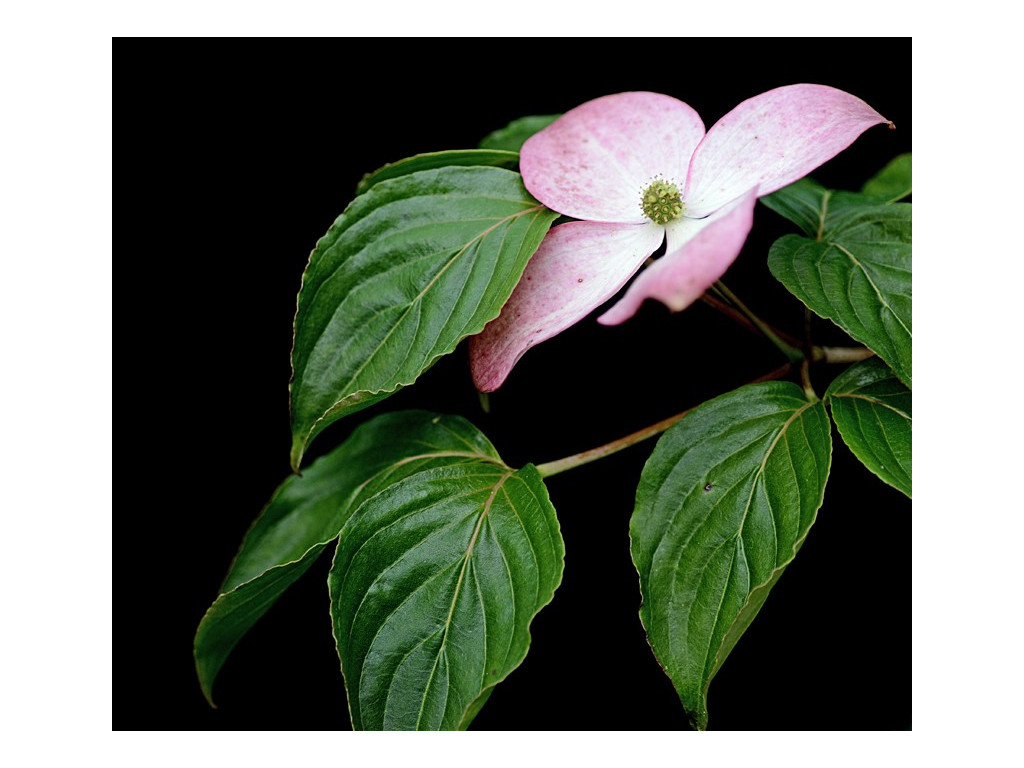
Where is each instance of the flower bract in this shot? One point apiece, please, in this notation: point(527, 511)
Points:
point(637, 170)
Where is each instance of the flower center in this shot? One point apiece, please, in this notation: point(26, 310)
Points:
point(661, 202)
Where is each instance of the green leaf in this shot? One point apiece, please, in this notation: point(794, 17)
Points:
point(513, 135)
point(872, 409)
point(893, 182)
point(434, 584)
point(431, 160)
point(857, 274)
point(802, 203)
point(307, 512)
point(724, 503)
point(412, 267)
point(815, 209)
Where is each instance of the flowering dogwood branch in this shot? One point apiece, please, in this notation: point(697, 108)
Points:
point(444, 552)
point(586, 457)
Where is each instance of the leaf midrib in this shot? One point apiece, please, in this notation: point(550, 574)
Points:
point(458, 589)
point(384, 571)
point(874, 287)
point(873, 401)
point(433, 281)
point(823, 213)
point(753, 485)
point(778, 565)
point(418, 299)
point(355, 494)
point(739, 535)
point(405, 233)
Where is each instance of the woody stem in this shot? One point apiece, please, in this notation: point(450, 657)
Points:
point(578, 460)
point(792, 354)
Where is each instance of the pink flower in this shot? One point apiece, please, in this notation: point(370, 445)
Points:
point(636, 168)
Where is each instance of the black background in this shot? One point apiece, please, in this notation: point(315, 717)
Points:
point(234, 158)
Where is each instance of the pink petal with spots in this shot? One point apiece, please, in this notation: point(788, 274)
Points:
point(578, 267)
point(595, 161)
point(772, 140)
point(698, 253)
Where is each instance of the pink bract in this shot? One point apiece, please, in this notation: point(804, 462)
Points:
point(595, 163)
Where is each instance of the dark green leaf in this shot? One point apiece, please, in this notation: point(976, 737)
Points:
point(431, 160)
point(724, 503)
point(893, 182)
point(512, 136)
point(872, 409)
point(434, 585)
point(858, 274)
point(306, 513)
point(412, 267)
point(802, 203)
point(815, 209)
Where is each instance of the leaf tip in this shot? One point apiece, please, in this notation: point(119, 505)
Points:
point(208, 695)
point(206, 677)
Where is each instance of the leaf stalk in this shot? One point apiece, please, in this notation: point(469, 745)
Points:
point(586, 457)
point(792, 354)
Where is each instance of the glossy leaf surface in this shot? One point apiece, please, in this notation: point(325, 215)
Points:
point(432, 160)
point(893, 182)
point(434, 584)
point(724, 503)
point(872, 409)
point(307, 512)
point(854, 267)
point(412, 267)
point(513, 135)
